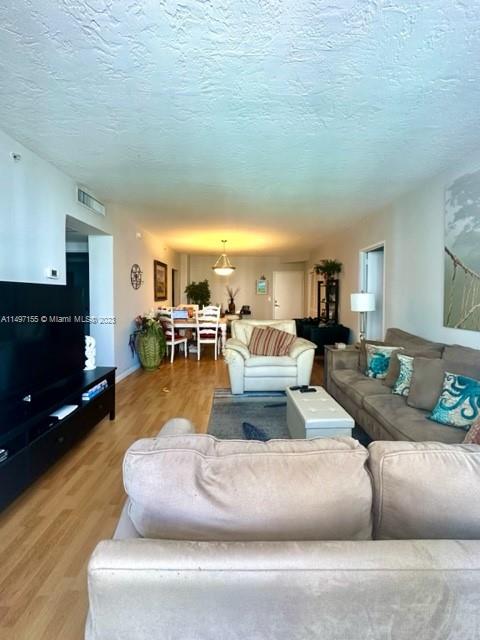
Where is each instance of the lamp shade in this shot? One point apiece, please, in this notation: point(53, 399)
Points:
point(223, 266)
point(362, 301)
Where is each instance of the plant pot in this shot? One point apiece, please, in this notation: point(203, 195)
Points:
point(150, 351)
point(231, 307)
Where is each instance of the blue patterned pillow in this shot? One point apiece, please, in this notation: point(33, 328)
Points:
point(459, 402)
point(378, 359)
point(404, 380)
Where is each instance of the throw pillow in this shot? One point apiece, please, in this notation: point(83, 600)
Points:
point(402, 384)
point(378, 359)
point(459, 402)
point(362, 358)
point(270, 342)
point(427, 383)
point(473, 434)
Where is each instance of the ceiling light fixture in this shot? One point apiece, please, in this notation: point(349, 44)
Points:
point(223, 266)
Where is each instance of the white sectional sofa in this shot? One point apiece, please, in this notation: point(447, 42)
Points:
point(283, 540)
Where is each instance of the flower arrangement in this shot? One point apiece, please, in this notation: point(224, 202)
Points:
point(232, 294)
point(231, 298)
point(148, 324)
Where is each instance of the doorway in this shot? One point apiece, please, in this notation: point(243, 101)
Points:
point(78, 276)
point(175, 288)
point(372, 280)
point(288, 294)
point(89, 261)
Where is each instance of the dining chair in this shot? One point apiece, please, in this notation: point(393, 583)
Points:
point(207, 328)
point(172, 336)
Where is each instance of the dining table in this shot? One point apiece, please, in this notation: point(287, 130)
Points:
point(191, 323)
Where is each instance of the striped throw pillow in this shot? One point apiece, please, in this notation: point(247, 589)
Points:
point(270, 342)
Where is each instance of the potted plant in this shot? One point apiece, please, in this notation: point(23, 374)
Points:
point(198, 293)
point(328, 268)
point(231, 298)
point(148, 341)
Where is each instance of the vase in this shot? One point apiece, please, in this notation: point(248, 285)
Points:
point(231, 307)
point(150, 351)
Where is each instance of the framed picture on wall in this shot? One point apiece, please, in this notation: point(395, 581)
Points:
point(262, 287)
point(160, 272)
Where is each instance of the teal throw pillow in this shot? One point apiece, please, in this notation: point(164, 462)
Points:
point(402, 384)
point(459, 402)
point(378, 359)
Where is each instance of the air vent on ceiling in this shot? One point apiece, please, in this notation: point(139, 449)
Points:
point(89, 201)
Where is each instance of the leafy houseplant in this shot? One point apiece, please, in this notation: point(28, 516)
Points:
point(149, 341)
point(328, 268)
point(231, 298)
point(198, 293)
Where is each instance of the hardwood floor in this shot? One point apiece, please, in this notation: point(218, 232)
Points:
point(48, 533)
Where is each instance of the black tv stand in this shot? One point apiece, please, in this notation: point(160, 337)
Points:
point(33, 441)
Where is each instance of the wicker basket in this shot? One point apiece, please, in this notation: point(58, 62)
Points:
point(150, 349)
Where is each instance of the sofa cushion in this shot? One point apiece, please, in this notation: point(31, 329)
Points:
point(270, 367)
point(400, 338)
point(200, 488)
point(356, 385)
point(462, 360)
point(405, 423)
point(415, 352)
point(270, 342)
point(459, 402)
point(425, 490)
point(427, 383)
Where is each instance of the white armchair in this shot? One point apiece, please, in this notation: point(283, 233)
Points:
point(266, 373)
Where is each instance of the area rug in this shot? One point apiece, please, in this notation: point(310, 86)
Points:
point(256, 416)
point(251, 416)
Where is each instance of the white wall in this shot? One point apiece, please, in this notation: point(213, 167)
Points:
point(248, 270)
point(35, 199)
point(130, 302)
point(413, 231)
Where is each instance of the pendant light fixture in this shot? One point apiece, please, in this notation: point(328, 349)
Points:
point(223, 266)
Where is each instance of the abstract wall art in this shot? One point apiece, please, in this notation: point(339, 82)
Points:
point(462, 253)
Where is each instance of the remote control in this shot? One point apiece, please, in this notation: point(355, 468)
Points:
point(308, 390)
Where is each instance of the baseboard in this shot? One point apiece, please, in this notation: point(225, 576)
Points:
point(127, 372)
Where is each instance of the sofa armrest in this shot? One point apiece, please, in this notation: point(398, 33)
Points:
point(237, 345)
point(177, 427)
point(299, 346)
point(342, 358)
point(339, 359)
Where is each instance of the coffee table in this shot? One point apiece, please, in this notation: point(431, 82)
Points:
point(316, 415)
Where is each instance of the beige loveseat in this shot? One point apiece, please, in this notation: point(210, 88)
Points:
point(266, 373)
point(382, 414)
point(291, 540)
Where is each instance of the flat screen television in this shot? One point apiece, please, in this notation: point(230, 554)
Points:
point(41, 337)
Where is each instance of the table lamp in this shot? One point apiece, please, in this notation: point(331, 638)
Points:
point(362, 303)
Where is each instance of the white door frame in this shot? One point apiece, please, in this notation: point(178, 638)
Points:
point(361, 276)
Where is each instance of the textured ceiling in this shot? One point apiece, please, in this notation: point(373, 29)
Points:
point(220, 117)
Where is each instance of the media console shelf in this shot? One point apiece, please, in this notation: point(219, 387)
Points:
point(35, 441)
